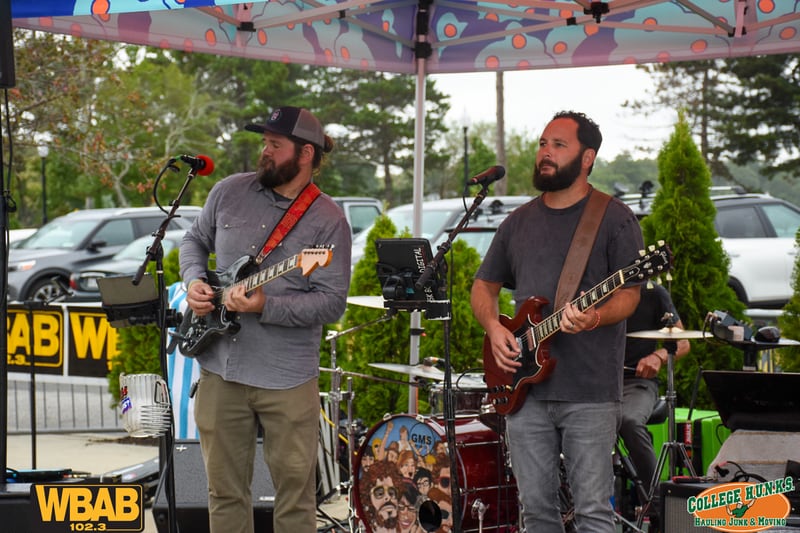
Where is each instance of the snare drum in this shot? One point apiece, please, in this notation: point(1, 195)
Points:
point(469, 393)
point(382, 475)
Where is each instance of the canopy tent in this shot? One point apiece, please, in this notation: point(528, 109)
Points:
point(425, 36)
point(452, 35)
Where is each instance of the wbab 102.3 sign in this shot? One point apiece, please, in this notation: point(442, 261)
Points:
point(62, 507)
point(742, 507)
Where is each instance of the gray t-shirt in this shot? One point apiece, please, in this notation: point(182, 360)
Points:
point(527, 255)
point(278, 349)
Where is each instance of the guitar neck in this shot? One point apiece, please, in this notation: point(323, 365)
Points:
point(551, 325)
point(263, 277)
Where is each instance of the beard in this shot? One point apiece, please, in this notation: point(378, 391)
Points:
point(389, 522)
point(562, 178)
point(270, 175)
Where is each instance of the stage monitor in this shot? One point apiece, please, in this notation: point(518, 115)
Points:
point(756, 400)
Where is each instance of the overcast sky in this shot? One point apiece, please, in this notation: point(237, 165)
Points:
point(532, 97)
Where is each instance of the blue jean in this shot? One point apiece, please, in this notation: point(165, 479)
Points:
point(639, 397)
point(584, 433)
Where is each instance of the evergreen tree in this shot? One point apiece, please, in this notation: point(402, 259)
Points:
point(683, 217)
point(789, 321)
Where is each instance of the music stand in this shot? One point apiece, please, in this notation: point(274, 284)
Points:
point(126, 304)
point(401, 263)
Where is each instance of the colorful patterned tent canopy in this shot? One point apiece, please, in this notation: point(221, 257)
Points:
point(451, 35)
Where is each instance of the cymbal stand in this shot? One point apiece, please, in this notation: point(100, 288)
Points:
point(671, 448)
point(337, 396)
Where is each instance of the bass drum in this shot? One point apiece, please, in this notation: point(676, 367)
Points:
point(403, 466)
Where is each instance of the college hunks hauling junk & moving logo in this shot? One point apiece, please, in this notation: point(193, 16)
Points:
point(742, 507)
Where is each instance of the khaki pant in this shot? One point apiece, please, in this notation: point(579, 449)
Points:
point(227, 416)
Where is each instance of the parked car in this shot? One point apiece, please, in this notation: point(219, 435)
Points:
point(439, 217)
point(75, 241)
point(127, 261)
point(359, 211)
point(757, 232)
point(16, 236)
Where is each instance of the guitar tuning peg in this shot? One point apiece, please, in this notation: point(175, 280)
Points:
point(649, 284)
point(641, 253)
point(652, 247)
point(669, 276)
point(661, 242)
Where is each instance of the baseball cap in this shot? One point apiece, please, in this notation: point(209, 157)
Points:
point(294, 122)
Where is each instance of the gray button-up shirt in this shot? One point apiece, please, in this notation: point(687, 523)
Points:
point(278, 348)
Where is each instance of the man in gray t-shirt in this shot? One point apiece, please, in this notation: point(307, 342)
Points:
point(574, 412)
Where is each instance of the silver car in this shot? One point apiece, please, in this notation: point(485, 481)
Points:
point(43, 262)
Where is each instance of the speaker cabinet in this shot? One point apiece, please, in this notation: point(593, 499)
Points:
point(7, 76)
point(191, 492)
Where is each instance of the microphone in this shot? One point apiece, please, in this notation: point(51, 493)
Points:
point(202, 164)
point(488, 176)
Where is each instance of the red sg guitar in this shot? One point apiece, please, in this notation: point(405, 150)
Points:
point(507, 391)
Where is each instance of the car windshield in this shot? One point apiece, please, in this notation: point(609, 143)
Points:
point(433, 221)
point(66, 234)
point(138, 248)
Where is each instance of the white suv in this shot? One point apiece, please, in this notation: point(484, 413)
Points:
point(758, 234)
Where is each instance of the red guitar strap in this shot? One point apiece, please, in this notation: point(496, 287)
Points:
point(582, 242)
point(289, 219)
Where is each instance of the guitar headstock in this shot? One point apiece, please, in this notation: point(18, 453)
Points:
point(654, 262)
point(312, 258)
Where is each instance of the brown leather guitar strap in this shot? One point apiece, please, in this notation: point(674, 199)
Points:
point(289, 219)
point(582, 242)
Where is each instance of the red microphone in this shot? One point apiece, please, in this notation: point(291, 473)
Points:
point(202, 164)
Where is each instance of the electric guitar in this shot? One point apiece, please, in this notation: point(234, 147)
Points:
point(507, 391)
point(195, 333)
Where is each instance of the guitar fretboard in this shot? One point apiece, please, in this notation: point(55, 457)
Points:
point(596, 294)
point(268, 274)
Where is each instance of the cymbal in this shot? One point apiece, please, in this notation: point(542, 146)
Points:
point(375, 302)
point(668, 334)
point(419, 371)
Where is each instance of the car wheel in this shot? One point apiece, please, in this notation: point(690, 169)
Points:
point(739, 290)
point(45, 290)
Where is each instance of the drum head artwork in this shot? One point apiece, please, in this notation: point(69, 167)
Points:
point(403, 476)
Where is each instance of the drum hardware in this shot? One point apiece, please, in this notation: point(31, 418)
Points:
point(478, 511)
point(337, 396)
point(671, 449)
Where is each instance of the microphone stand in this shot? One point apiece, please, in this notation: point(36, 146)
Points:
point(165, 320)
point(448, 408)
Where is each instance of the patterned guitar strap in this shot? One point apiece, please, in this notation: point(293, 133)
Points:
point(296, 210)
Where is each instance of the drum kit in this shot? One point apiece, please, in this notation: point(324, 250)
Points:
point(419, 481)
point(417, 487)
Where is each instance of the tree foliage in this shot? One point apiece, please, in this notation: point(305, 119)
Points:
point(683, 217)
point(789, 320)
point(742, 109)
